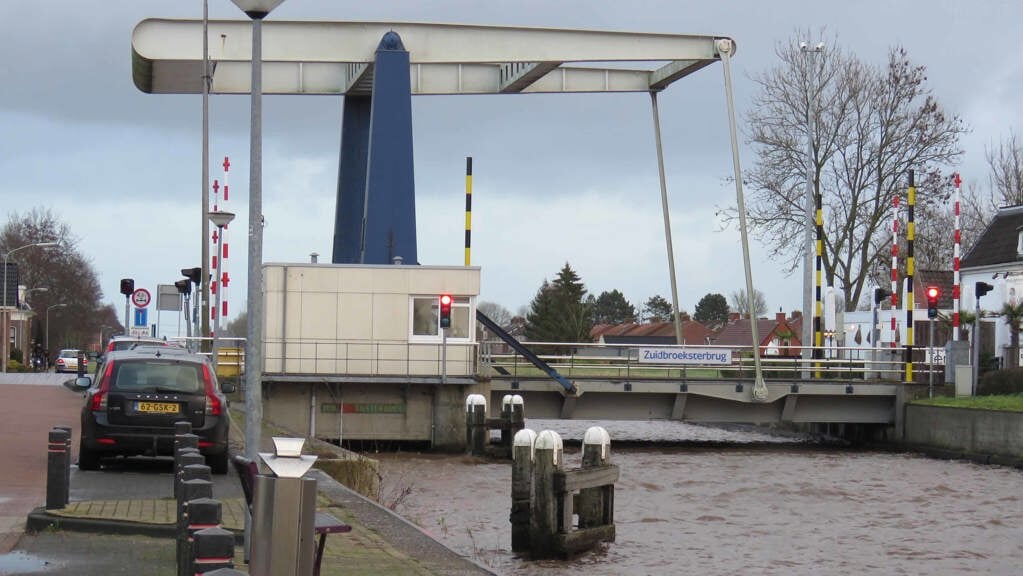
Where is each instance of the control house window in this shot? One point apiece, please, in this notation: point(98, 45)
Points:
point(426, 318)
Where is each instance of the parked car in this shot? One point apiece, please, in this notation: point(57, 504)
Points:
point(67, 361)
point(127, 342)
point(136, 396)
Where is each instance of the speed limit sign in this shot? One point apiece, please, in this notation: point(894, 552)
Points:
point(141, 297)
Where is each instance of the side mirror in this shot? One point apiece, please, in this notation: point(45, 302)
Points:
point(81, 384)
point(228, 388)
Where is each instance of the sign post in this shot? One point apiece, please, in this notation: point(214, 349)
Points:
point(141, 299)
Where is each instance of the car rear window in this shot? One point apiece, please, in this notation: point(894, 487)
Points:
point(154, 376)
point(127, 344)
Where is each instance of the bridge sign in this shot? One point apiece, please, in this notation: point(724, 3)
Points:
point(697, 356)
point(141, 297)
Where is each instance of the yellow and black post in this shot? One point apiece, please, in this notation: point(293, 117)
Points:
point(818, 312)
point(468, 207)
point(910, 234)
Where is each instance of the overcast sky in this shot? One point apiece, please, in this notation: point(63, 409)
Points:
point(557, 178)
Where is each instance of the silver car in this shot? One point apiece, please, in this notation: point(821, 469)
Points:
point(67, 361)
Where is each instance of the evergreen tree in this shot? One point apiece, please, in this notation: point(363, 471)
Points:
point(611, 308)
point(657, 309)
point(558, 312)
point(712, 310)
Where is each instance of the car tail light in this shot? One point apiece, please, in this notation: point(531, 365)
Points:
point(98, 400)
point(213, 407)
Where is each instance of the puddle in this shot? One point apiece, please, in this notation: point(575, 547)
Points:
point(21, 563)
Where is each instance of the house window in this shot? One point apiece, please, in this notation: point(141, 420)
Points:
point(425, 311)
point(1019, 242)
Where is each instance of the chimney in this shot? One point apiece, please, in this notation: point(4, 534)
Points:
point(779, 317)
point(733, 316)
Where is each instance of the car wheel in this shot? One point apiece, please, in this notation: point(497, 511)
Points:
point(87, 459)
point(218, 463)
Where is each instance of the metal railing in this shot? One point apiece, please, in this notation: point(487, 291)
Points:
point(621, 361)
point(370, 358)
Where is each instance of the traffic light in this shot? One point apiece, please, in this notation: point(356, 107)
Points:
point(127, 286)
point(445, 310)
point(932, 301)
point(880, 294)
point(982, 288)
point(193, 274)
point(184, 286)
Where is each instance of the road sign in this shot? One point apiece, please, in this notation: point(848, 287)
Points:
point(141, 317)
point(141, 297)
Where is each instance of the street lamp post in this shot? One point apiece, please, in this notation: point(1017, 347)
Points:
point(220, 219)
point(7, 313)
point(47, 329)
point(257, 10)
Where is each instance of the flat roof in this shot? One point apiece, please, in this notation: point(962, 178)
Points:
point(332, 57)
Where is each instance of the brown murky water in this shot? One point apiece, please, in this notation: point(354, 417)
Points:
point(753, 506)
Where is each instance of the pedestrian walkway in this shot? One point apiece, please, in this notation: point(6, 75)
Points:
point(380, 543)
point(35, 378)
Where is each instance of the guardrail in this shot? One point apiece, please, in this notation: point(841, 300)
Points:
point(621, 361)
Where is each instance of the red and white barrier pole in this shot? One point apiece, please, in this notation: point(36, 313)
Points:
point(957, 239)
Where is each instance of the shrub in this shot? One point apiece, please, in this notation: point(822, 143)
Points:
point(1001, 382)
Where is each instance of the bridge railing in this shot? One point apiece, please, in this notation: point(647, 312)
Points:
point(311, 356)
point(622, 361)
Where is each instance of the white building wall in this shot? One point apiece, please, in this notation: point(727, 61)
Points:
point(352, 319)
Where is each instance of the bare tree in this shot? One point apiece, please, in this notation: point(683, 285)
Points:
point(740, 304)
point(499, 314)
point(66, 273)
point(872, 126)
point(1006, 163)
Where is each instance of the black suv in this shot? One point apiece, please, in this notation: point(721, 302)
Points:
point(137, 396)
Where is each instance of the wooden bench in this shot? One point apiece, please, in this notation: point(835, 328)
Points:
point(323, 524)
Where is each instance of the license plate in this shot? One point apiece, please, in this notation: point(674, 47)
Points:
point(156, 407)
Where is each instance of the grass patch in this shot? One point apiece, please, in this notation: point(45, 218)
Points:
point(1006, 403)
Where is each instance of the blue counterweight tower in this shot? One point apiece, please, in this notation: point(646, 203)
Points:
point(375, 219)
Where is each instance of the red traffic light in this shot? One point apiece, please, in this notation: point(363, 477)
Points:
point(932, 294)
point(445, 310)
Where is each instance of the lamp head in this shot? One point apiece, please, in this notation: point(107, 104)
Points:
point(257, 9)
point(221, 218)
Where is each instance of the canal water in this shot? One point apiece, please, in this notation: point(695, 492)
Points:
point(710, 501)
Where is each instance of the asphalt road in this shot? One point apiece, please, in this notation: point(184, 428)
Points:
point(32, 405)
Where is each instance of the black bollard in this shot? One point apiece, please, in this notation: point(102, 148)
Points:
point(67, 469)
point(190, 490)
point(213, 549)
point(185, 457)
point(56, 469)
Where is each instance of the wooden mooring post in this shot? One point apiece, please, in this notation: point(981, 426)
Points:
point(521, 488)
point(478, 426)
point(475, 423)
point(557, 493)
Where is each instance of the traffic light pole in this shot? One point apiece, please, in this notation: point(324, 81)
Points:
point(930, 360)
point(444, 356)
